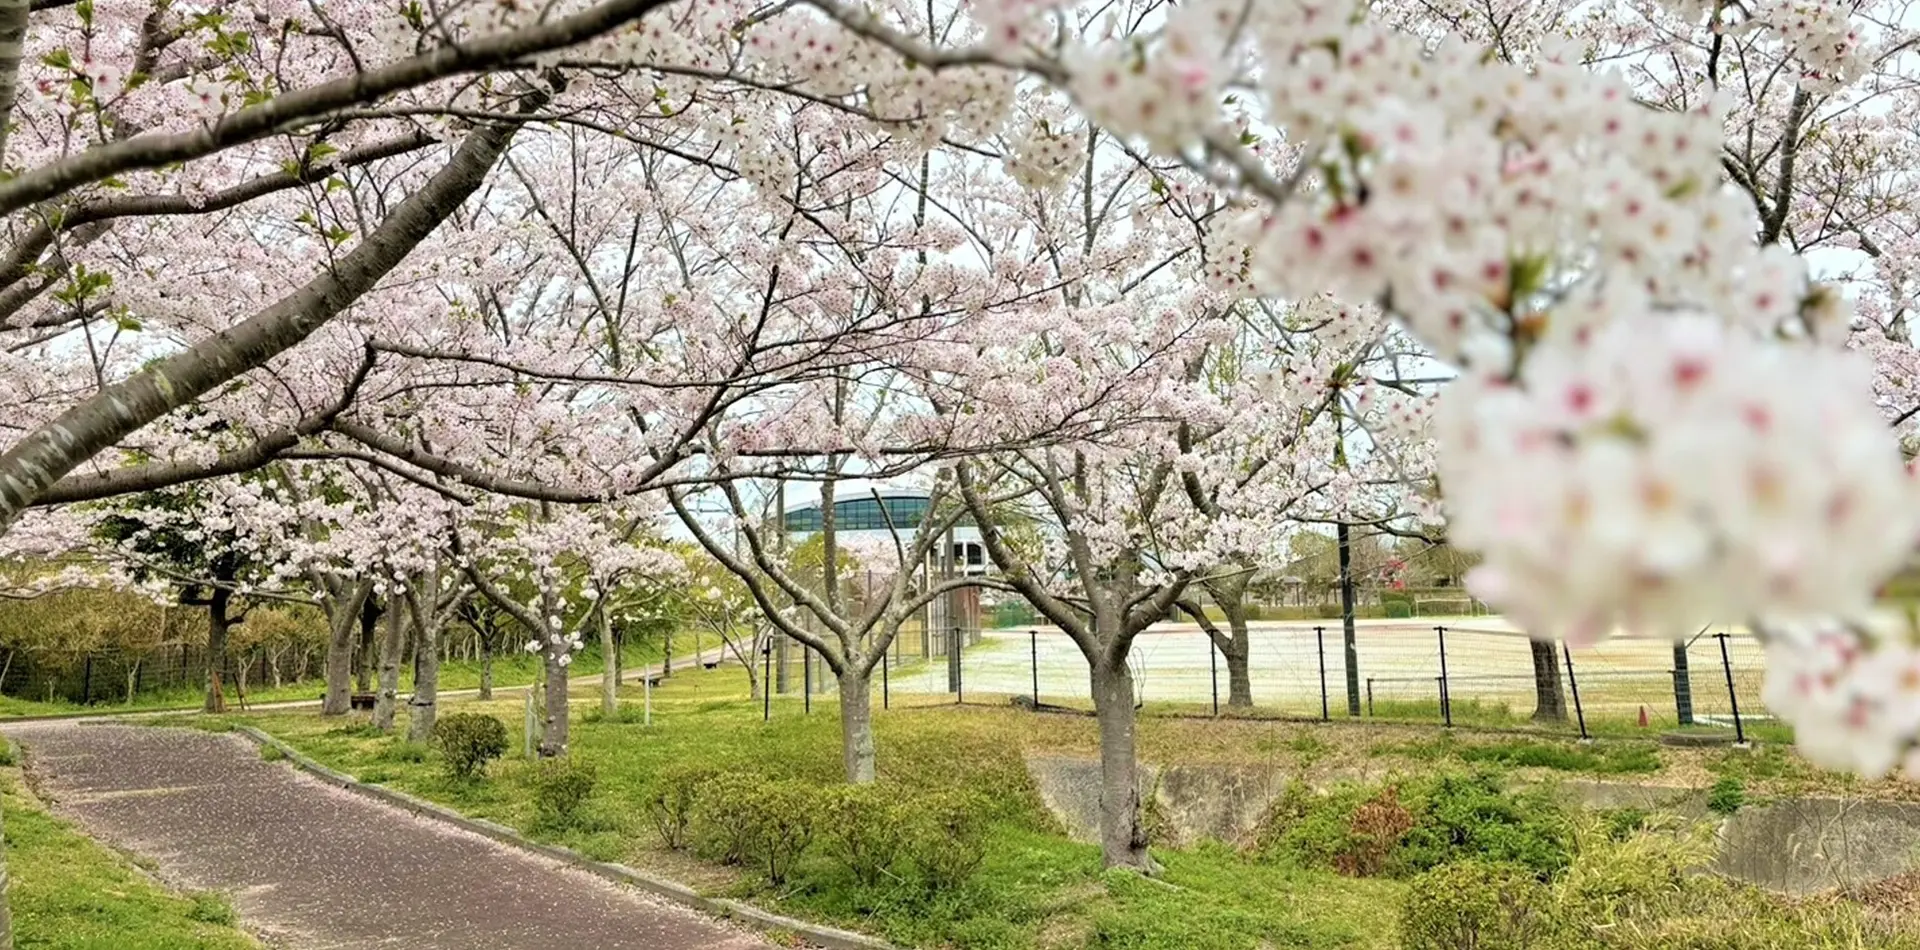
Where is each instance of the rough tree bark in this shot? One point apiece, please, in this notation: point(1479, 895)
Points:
point(553, 736)
point(609, 667)
point(486, 668)
point(1234, 643)
point(364, 654)
point(1348, 641)
point(1123, 833)
point(218, 622)
point(392, 643)
point(13, 37)
point(424, 705)
point(1550, 701)
point(856, 722)
point(341, 623)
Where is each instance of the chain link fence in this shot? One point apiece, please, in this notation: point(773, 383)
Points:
point(1480, 673)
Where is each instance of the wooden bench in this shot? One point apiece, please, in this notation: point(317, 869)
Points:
point(362, 700)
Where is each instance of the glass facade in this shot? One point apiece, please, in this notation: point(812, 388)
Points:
point(864, 514)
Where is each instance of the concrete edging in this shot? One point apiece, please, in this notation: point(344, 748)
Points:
point(828, 937)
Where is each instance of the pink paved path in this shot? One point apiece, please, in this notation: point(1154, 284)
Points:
point(313, 867)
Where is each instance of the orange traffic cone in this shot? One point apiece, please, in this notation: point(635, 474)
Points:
point(1643, 717)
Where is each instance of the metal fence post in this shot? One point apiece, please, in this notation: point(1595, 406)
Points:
point(1320, 639)
point(1369, 697)
point(1682, 685)
point(1033, 645)
point(86, 683)
point(806, 676)
point(886, 688)
point(959, 686)
point(1213, 664)
point(1578, 711)
point(1726, 664)
point(1446, 697)
point(766, 682)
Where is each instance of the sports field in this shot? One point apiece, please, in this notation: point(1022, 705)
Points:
point(1399, 663)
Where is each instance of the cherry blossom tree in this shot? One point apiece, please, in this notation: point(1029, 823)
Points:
point(850, 634)
point(554, 570)
point(1635, 354)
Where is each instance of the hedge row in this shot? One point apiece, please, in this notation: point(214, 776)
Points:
point(875, 832)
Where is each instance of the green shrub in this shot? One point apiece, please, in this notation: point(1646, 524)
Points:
point(1310, 829)
point(1374, 831)
point(1457, 817)
point(1474, 905)
point(1611, 759)
point(468, 741)
point(1726, 796)
point(947, 841)
point(720, 820)
point(779, 823)
point(865, 828)
point(670, 801)
point(561, 788)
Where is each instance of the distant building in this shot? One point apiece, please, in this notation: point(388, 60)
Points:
point(864, 516)
point(901, 511)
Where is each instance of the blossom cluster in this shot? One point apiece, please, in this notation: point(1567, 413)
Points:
point(1823, 38)
point(1671, 471)
point(1852, 694)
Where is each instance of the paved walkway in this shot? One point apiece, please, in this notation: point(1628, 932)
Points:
point(313, 867)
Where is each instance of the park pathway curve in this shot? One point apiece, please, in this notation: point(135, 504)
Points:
point(313, 867)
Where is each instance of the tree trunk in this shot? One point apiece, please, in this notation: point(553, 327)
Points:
point(1550, 701)
point(217, 624)
point(390, 648)
point(486, 669)
point(1237, 652)
point(423, 708)
point(13, 36)
point(369, 622)
point(1123, 836)
point(610, 667)
point(338, 700)
point(553, 737)
point(856, 724)
point(1347, 640)
point(666, 653)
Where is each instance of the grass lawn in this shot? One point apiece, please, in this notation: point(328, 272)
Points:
point(1037, 890)
point(69, 893)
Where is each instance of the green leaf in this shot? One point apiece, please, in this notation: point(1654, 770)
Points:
point(84, 9)
point(127, 324)
point(339, 235)
point(114, 181)
point(318, 151)
point(58, 59)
